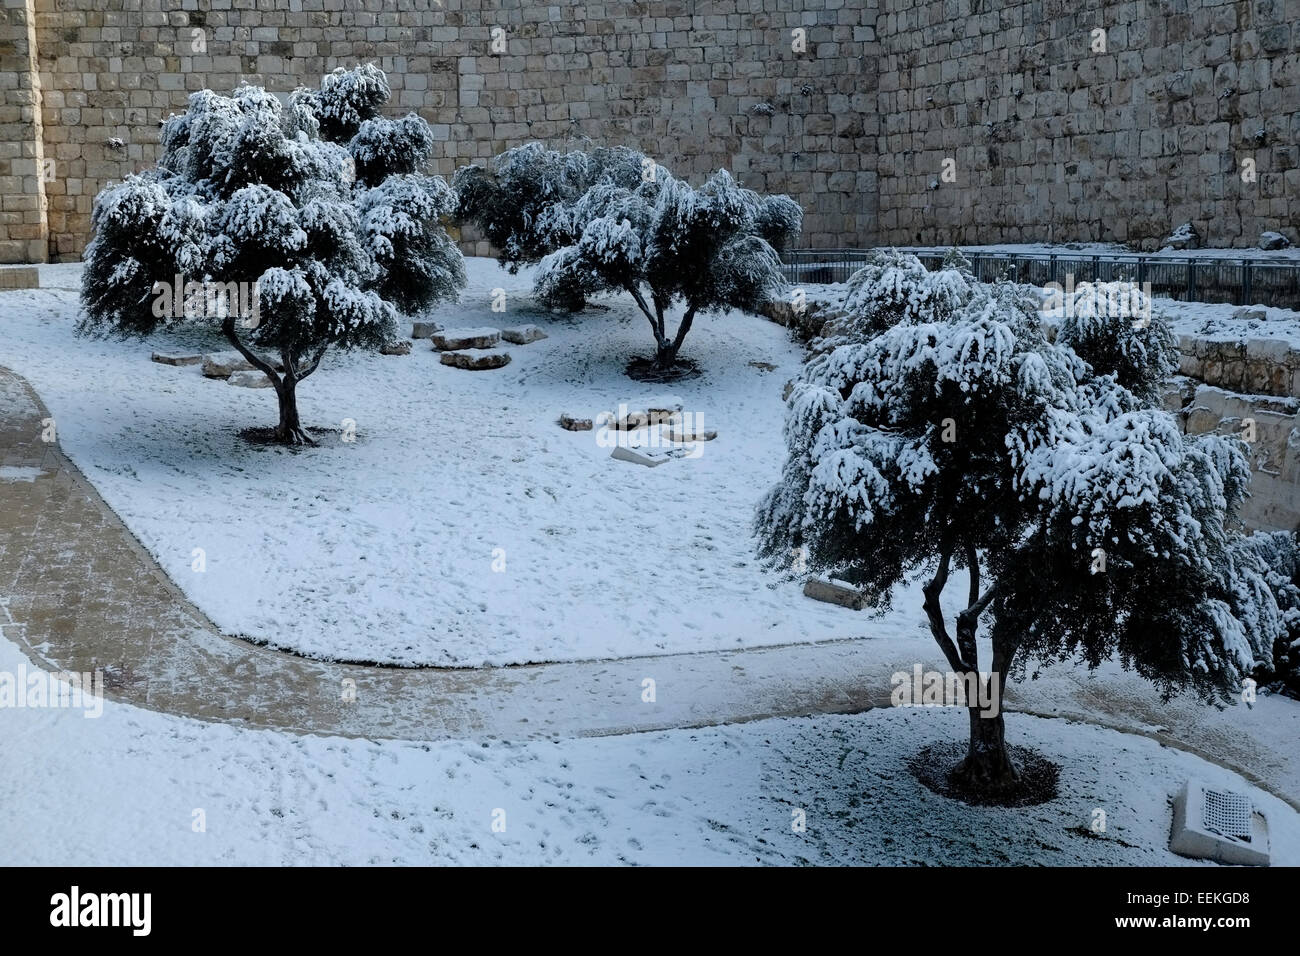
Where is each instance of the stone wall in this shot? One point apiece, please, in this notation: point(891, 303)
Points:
point(697, 85)
point(1256, 366)
point(1049, 139)
point(1271, 429)
point(1053, 138)
point(1249, 389)
point(23, 225)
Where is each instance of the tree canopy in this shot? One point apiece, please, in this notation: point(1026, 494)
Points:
point(317, 203)
point(614, 220)
point(940, 428)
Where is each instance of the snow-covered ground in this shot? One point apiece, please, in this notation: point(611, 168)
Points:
point(135, 787)
point(602, 558)
point(1221, 323)
point(386, 549)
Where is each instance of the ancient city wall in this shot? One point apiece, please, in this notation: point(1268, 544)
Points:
point(1058, 133)
point(698, 85)
point(23, 223)
point(1048, 137)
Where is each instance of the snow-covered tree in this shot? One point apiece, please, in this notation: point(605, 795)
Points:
point(345, 100)
point(1280, 553)
point(507, 201)
point(317, 205)
point(944, 431)
point(616, 221)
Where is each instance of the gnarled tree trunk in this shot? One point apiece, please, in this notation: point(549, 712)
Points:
point(666, 349)
point(289, 431)
point(666, 356)
point(988, 766)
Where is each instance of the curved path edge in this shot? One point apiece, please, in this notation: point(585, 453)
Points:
point(78, 593)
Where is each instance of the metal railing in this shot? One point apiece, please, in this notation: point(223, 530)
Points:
point(1242, 281)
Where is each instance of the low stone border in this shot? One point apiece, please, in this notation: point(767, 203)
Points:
point(19, 277)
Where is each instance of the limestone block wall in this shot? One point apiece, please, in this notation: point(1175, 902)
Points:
point(697, 85)
point(1058, 133)
point(1256, 366)
point(1272, 427)
point(23, 225)
point(892, 121)
point(1249, 389)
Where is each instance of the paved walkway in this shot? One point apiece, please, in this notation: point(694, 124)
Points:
point(78, 592)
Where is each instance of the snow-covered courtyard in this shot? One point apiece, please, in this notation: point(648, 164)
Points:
point(461, 498)
point(461, 501)
point(324, 543)
point(385, 550)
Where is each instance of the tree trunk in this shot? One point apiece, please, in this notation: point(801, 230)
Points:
point(290, 430)
point(667, 351)
point(665, 354)
point(987, 766)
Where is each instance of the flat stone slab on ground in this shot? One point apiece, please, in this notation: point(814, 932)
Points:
point(225, 364)
point(833, 592)
point(395, 348)
point(249, 379)
point(649, 457)
point(475, 360)
point(523, 334)
point(661, 410)
point(676, 433)
point(663, 403)
point(574, 424)
point(424, 330)
point(452, 340)
point(177, 358)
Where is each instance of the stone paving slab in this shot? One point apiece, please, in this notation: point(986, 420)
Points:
point(78, 592)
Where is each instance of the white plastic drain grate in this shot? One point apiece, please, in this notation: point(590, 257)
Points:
point(1222, 825)
point(1227, 814)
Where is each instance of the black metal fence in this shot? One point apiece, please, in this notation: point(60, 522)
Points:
point(1243, 281)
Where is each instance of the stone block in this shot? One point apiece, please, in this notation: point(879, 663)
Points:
point(475, 360)
point(450, 340)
